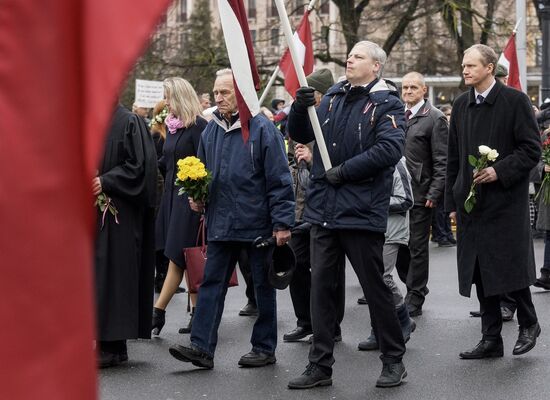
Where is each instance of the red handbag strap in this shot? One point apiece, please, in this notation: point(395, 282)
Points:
point(201, 234)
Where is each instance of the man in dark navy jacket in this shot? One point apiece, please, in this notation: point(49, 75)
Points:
point(363, 122)
point(250, 195)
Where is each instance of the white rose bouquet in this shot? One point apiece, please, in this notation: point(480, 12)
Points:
point(487, 155)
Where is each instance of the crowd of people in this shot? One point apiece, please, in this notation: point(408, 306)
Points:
point(401, 171)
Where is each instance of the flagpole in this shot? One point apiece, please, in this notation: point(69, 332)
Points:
point(521, 43)
point(276, 72)
point(285, 23)
point(269, 84)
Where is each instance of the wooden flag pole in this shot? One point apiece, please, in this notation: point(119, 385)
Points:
point(285, 23)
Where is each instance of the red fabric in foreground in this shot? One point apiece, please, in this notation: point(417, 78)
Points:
point(287, 66)
point(61, 65)
point(244, 113)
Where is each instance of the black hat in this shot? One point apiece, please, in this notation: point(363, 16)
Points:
point(501, 71)
point(275, 102)
point(280, 261)
point(321, 80)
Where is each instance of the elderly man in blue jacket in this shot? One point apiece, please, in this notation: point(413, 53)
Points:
point(363, 123)
point(250, 195)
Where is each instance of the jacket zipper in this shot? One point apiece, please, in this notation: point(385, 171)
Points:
point(252, 156)
point(360, 141)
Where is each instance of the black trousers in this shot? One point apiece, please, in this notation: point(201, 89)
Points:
point(364, 250)
point(491, 318)
point(441, 225)
point(244, 266)
point(413, 262)
point(300, 286)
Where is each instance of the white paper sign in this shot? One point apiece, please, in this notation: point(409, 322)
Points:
point(148, 93)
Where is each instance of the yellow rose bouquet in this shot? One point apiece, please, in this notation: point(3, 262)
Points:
point(193, 177)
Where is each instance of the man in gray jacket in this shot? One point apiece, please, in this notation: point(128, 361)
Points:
point(426, 154)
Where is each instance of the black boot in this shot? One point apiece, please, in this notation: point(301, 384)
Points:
point(407, 323)
point(159, 319)
point(543, 281)
point(187, 329)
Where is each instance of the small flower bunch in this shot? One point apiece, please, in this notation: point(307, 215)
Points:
point(487, 155)
point(545, 186)
point(105, 204)
point(193, 177)
point(159, 118)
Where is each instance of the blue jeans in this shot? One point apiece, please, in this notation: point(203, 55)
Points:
point(221, 260)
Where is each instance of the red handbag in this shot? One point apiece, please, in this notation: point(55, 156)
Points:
point(195, 260)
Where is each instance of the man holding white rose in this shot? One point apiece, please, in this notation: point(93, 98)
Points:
point(495, 249)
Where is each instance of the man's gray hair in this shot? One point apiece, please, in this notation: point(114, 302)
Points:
point(488, 55)
point(375, 52)
point(223, 72)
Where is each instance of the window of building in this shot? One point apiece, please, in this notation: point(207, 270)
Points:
point(253, 35)
point(538, 52)
point(272, 9)
point(275, 37)
point(251, 8)
point(325, 7)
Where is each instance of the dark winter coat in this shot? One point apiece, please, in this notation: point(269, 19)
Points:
point(177, 225)
point(497, 231)
point(426, 153)
point(251, 190)
point(363, 129)
point(124, 252)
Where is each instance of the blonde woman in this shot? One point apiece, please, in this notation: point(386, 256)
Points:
point(177, 224)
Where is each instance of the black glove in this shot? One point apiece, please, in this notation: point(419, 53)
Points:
point(305, 97)
point(334, 175)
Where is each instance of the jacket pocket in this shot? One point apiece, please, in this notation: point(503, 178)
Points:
point(415, 169)
point(251, 213)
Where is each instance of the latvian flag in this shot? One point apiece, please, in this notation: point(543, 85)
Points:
point(509, 59)
point(304, 45)
point(241, 56)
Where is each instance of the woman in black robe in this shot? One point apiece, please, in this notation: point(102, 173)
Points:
point(177, 224)
point(124, 247)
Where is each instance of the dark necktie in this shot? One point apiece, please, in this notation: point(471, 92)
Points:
point(480, 99)
point(408, 114)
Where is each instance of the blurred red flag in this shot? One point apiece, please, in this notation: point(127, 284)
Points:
point(509, 58)
point(304, 45)
point(62, 63)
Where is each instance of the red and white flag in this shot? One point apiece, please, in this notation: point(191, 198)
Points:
point(304, 45)
point(60, 73)
point(241, 56)
point(509, 59)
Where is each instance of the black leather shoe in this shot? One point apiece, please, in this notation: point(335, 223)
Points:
point(414, 311)
point(362, 300)
point(446, 243)
point(193, 355)
point(527, 339)
point(107, 359)
point(392, 375)
point(187, 329)
point(507, 314)
point(311, 377)
point(249, 310)
point(543, 282)
point(254, 359)
point(484, 349)
point(297, 334)
point(475, 314)
point(370, 344)
point(159, 319)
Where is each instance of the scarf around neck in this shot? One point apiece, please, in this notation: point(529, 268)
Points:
point(173, 123)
